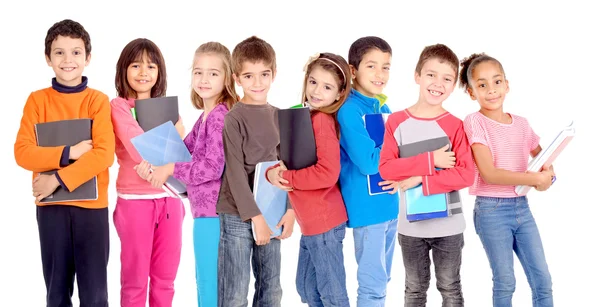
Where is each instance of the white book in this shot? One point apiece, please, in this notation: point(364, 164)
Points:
point(547, 156)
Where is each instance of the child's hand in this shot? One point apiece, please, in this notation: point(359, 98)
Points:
point(143, 170)
point(180, 128)
point(410, 182)
point(389, 184)
point(44, 185)
point(444, 159)
point(261, 230)
point(76, 151)
point(276, 179)
point(545, 179)
point(287, 221)
point(160, 174)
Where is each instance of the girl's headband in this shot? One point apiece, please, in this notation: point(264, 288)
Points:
point(316, 56)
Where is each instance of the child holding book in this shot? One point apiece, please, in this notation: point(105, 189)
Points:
point(148, 221)
point(425, 148)
point(502, 144)
point(313, 191)
point(74, 235)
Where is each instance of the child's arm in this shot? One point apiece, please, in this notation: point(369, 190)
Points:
point(326, 171)
point(391, 167)
point(237, 177)
point(28, 154)
point(356, 142)
point(460, 176)
point(101, 156)
point(125, 126)
point(205, 166)
point(190, 139)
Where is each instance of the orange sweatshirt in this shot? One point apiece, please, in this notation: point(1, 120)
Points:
point(48, 105)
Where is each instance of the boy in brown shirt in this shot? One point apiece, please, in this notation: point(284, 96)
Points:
point(250, 136)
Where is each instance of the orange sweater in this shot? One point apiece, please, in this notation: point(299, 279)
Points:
point(48, 105)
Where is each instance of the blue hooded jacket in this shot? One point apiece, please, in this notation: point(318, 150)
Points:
point(359, 158)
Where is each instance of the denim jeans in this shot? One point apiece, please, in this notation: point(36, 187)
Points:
point(374, 251)
point(505, 225)
point(447, 258)
point(237, 253)
point(321, 277)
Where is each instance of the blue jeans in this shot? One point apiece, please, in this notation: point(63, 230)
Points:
point(321, 277)
point(206, 251)
point(237, 253)
point(447, 258)
point(374, 250)
point(504, 225)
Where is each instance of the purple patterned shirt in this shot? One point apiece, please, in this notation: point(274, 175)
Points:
point(203, 175)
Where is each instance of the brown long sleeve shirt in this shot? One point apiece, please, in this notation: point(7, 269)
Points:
point(250, 136)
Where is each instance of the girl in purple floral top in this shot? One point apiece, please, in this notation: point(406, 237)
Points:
point(213, 90)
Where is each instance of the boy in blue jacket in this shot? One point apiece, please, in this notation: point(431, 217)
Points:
point(374, 218)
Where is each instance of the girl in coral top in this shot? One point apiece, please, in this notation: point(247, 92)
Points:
point(148, 221)
point(313, 191)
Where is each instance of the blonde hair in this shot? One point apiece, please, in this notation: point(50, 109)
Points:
point(228, 96)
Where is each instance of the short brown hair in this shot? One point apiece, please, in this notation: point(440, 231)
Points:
point(68, 28)
point(253, 50)
point(228, 96)
point(440, 52)
point(133, 52)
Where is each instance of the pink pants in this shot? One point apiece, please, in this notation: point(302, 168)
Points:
point(150, 233)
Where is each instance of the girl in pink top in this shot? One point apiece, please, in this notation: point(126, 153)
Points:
point(148, 221)
point(213, 90)
point(502, 144)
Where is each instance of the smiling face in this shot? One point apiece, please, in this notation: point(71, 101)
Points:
point(67, 59)
point(208, 77)
point(142, 75)
point(255, 80)
point(322, 88)
point(436, 80)
point(488, 85)
point(373, 72)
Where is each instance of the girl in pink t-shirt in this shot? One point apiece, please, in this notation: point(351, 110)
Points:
point(502, 144)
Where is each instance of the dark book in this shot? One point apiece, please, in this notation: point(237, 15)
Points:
point(67, 133)
point(153, 112)
point(297, 147)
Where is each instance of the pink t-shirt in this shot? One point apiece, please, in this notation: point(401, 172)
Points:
point(510, 145)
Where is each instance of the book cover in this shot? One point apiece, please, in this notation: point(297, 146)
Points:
point(375, 125)
point(420, 207)
point(68, 132)
point(297, 145)
point(271, 200)
point(153, 112)
point(163, 145)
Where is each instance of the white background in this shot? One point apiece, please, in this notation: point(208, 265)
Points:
point(546, 49)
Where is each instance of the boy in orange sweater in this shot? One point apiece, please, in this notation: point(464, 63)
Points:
point(73, 235)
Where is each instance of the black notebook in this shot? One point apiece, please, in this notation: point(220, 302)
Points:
point(67, 133)
point(153, 112)
point(297, 147)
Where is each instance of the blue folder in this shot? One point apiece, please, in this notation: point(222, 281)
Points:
point(162, 145)
point(375, 125)
point(271, 200)
point(420, 207)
